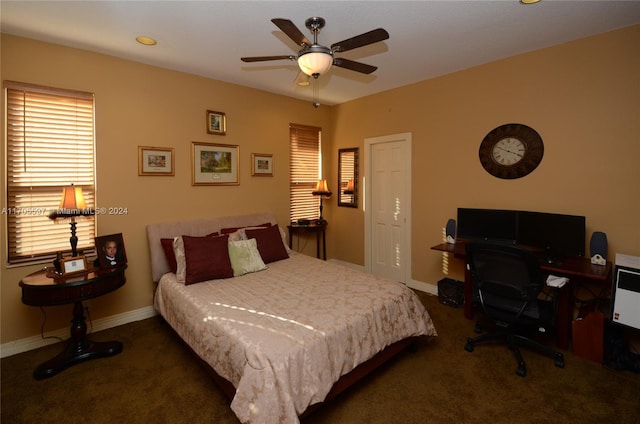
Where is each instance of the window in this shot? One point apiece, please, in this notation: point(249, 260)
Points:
point(305, 171)
point(50, 145)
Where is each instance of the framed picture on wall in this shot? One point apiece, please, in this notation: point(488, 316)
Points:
point(216, 123)
point(155, 161)
point(261, 165)
point(214, 164)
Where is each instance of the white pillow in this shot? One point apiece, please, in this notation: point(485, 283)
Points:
point(236, 235)
point(178, 251)
point(245, 257)
point(284, 240)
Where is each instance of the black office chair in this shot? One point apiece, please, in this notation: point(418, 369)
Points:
point(507, 282)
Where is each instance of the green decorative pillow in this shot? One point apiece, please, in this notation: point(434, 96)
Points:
point(245, 257)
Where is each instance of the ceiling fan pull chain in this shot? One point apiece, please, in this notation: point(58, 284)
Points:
point(316, 93)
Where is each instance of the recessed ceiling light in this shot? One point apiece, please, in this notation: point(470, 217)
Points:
point(529, 1)
point(147, 41)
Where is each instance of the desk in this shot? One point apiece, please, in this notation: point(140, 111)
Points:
point(318, 228)
point(45, 288)
point(576, 269)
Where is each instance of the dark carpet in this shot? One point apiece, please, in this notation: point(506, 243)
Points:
point(157, 380)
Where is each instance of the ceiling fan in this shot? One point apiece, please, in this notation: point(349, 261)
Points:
point(315, 59)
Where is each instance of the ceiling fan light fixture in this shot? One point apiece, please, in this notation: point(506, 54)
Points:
point(316, 60)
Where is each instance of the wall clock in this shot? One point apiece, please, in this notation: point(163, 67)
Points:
point(511, 151)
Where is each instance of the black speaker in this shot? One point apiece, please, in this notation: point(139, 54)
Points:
point(450, 230)
point(598, 248)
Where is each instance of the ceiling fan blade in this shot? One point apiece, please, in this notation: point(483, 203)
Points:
point(365, 39)
point(264, 58)
point(353, 65)
point(292, 31)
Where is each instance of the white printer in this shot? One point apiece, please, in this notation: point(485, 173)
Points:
point(626, 291)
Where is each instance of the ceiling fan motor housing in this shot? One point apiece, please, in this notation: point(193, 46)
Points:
point(315, 24)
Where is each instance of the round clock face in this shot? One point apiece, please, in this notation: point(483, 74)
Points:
point(511, 151)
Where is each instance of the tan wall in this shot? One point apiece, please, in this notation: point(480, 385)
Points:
point(143, 105)
point(582, 97)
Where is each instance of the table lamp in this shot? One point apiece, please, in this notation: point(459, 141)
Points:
point(72, 204)
point(323, 191)
point(349, 189)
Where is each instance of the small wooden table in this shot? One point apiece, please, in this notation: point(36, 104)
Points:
point(315, 226)
point(45, 288)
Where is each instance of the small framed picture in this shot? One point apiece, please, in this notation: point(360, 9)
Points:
point(261, 165)
point(73, 265)
point(214, 164)
point(110, 250)
point(216, 123)
point(155, 161)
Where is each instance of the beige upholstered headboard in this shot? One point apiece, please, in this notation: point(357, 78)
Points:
point(198, 228)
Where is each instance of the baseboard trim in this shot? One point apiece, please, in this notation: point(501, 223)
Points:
point(35, 342)
point(414, 284)
point(347, 264)
point(422, 286)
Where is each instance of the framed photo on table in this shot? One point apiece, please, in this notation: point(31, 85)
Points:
point(216, 123)
point(214, 164)
point(110, 250)
point(155, 161)
point(75, 265)
point(261, 165)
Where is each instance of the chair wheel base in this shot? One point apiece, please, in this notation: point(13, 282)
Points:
point(559, 360)
point(469, 346)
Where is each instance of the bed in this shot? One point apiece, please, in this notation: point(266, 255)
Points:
point(286, 334)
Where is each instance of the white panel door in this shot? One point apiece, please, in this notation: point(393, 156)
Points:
point(389, 208)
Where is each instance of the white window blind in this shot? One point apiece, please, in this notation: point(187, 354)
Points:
point(304, 170)
point(50, 145)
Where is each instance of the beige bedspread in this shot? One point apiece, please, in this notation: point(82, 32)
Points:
point(285, 335)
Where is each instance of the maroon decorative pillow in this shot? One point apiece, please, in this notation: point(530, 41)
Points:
point(206, 258)
point(167, 246)
point(233, 230)
point(270, 243)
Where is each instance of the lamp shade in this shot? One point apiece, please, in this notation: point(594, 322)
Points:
point(315, 62)
point(321, 189)
point(72, 198)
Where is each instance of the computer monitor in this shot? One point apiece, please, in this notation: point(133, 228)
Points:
point(559, 235)
point(487, 224)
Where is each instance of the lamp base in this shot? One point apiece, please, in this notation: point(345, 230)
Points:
point(73, 240)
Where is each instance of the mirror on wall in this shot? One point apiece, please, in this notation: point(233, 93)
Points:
point(348, 177)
